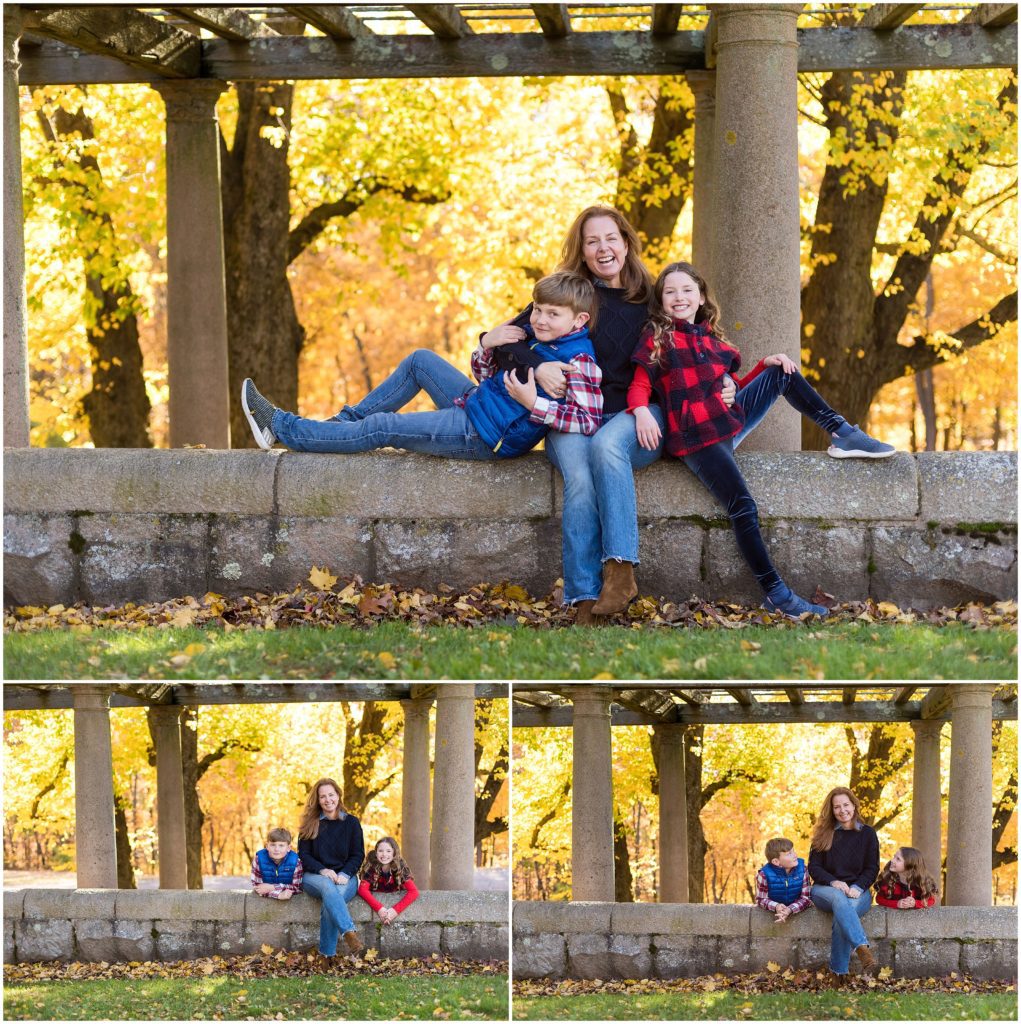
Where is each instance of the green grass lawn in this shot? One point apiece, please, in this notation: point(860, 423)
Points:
point(731, 1005)
point(472, 997)
point(398, 650)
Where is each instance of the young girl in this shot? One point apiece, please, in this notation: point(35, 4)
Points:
point(386, 871)
point(684, 356)
point(905, 883)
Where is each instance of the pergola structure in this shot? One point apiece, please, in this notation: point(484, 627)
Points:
point(441, 850)
point(592, 710)
point(741, 61)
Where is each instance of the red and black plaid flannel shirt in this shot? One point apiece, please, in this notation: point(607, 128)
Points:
point(890, 893)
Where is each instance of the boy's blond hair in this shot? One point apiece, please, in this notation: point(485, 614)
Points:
point(565, 288)
point(774, 847)
point(278, 835)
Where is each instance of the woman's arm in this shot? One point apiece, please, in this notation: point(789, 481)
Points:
point(357, 855)
point(410, 895)
point(581, 412)
point(308, 860)
point(817, 870)
point(870, 861)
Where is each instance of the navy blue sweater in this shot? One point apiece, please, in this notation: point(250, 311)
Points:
point(339, 846)
point(853, 858)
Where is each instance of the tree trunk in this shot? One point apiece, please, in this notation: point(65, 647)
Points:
point(623, 882)
point(873, 768)
point(365, 739)
point(193, 816)
point(495, 778)
point(927, 402)
point(125, 872)
point(693, 793)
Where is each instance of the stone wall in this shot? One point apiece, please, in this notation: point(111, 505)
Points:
point(106, 526)
point(153, 924)
point(658, 940)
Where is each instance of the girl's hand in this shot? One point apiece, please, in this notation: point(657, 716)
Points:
point(382, 915)
point(552, 378)
point(907, 903)
point(647, 428)
point(729, 392)
point(784, 362)
point(524, 394)
point(505, 334)
point(391, 915)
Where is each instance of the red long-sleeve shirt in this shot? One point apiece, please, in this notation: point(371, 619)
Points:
point(888, 894)
point(386, 883)
point(639, 394)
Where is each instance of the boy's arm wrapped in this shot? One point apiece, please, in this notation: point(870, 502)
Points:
point(581, 411)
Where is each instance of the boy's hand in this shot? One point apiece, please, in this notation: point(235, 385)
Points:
point(647, 428)
point(782, 913)
point(263, 888)
point(552, 378)
point(505, 334)
point(729, 392)
point(784, 362)
point(285, 895)
point(525, 394)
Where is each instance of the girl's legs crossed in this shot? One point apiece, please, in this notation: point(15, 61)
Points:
point(581, 541)
point(757, 398)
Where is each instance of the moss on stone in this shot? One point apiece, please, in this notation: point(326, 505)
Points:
point(76, 542)
point(871, 567)
point(986, 528)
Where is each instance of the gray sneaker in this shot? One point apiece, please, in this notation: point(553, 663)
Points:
point(858, 445)
point(259, 413)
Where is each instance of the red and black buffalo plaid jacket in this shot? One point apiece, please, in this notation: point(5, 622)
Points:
point(688, 380)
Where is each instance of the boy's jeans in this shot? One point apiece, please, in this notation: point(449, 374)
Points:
point(375, 423)
point(334, 918)
point(848, 933)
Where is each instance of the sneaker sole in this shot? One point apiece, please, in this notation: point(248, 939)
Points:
point(839, 453)
point(794, 618)
point(266, 444)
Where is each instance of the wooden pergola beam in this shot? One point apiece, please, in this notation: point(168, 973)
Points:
point(137, 39)
point(334, 20)
point(847, 695)
point(443, 20)
point(936, 702)
point(903, 694)
point(794, 694)
point(665, 18)
point(991, 15)
point(554, 19)
point(743, 695)
point(884, 17)
point(225, 22)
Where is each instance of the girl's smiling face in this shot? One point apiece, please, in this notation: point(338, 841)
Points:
point(384, 854)
point(604, 250)
point(681, 298)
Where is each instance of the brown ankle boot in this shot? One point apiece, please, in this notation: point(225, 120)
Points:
point(353, 943)
point(583, 614)
point(619, 588)
point(865, 958)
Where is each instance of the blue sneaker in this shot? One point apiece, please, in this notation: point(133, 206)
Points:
point(784, 601)
point(259, 413)
point(854, 443)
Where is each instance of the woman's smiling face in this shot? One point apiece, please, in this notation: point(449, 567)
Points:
point(843, 810)
point(329, 801)
point(604, 250)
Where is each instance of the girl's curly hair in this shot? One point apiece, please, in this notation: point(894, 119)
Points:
point(372, 869)
point(662, 323)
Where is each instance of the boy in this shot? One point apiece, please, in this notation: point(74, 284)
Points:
point(276, 870)
point(502, 417)
point(782, 883)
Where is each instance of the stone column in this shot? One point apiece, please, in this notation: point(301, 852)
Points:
point(95, 843)
point(756, 241)
point(165, 726)
point(926, 829)
point(970, 818)
point(673, 816)
point(452, 841)
point(15, 332)
point(196, 289)
point(415, 789)
point(592, 795)
point(703, 86)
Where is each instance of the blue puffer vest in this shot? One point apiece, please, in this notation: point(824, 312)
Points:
point(502, 422)
point(277, 874)
point(783, 887)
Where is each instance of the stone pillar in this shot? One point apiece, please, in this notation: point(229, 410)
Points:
point(703, 87)
point(165, 726)
point(196, 289)
point(95, 842)
point(415, 789)
point(926, 828)
point(673, 816)
point(452, 841)
point(15, 331)
point(970, 818)
point(756, 239)
point(592, 799)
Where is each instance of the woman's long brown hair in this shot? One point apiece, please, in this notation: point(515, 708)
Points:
point(635, 278)
point(826, 823)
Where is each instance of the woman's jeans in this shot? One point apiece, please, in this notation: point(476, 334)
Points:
point(375, 422)
point(334, 918)
point(848, 933)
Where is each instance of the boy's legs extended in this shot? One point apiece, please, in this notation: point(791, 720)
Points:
point(718, 471)
point(334, 918)
point(445, 432)
point(757, 398)
point(423, 370)
point(848, 933)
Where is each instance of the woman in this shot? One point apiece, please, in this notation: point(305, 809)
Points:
point(331, 849)
point(843, 863)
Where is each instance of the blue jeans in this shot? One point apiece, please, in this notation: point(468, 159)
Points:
point(375, 422)
point(599, 517)
point(848, 933)
point(334, 918)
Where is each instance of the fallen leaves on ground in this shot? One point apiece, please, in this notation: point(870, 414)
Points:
point(281, 963)
point(787, 980)
point(363, 604)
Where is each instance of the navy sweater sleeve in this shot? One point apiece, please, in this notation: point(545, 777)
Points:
point(815, 867)
point(309, 863)
point(357, 851)
point(870, 867)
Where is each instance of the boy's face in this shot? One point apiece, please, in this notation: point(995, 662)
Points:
point(786, 860)
point(278, 849)
point(551, 322)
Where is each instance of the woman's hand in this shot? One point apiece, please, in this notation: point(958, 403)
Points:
point(729, 392)
point(841, 886)
point(552, 378)
point(329, 873)
point(341, 878)
point(525, 394)
point(907, 903)
point(784, 362)
point(647, 428)
point(505, 334)
point(853, 892)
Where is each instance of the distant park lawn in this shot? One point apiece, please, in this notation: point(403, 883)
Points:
point(321, 997)
point(399, 650)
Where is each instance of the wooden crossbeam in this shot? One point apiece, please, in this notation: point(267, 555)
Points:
point(665, 18)
point(936, 702)
point(903, 694)
point(444, 20)
point(742, 694)
point(225, 22)
point(693, 697)
point(334, 20)
point(794, 694)
point(884, 17)
point(847, 696)
point(656, 703)
point(991, 15)
point(554, 19)
point(137, 39)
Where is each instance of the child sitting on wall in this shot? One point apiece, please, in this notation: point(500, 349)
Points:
point(782, 883)
point(905, 883)
point(386, 871)
point(276, 869)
